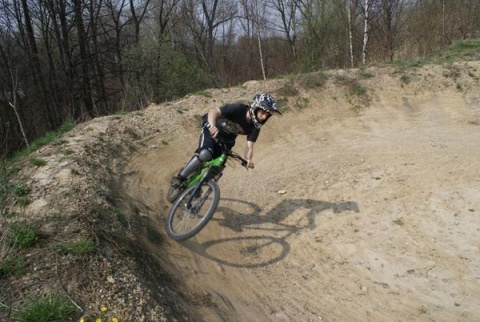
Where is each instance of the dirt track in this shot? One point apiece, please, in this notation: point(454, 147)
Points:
point(367, 214)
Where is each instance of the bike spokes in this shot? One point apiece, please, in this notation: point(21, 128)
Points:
point(191, 212)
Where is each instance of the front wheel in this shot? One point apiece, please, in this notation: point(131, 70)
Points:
point(183, 220)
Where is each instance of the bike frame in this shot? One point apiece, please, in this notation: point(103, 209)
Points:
point(204, 175)
point(216, 163)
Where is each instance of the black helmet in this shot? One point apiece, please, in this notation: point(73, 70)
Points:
point(265, 102)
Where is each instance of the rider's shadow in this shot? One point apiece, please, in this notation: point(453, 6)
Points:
point(237, 221)
point(273, 230)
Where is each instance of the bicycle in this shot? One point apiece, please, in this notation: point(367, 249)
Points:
point(195, 202)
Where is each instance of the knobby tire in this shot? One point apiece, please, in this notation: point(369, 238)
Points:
point(182, 224)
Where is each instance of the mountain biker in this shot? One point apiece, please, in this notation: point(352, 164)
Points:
point(226, 123)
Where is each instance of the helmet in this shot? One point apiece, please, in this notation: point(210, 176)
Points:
point(265, 102)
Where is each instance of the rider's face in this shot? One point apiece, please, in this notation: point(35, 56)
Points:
point(262, 115)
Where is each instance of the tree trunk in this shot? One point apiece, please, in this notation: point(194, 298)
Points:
point(84, 61)
point(365, 33)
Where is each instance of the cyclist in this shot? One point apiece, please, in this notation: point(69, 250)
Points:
point(227, 122)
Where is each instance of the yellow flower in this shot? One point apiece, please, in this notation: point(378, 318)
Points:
point(82, 320)
point(114, 320)
point(98, 320)
point(103, 309)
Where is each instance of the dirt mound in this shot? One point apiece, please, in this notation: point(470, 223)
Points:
point(363, 205)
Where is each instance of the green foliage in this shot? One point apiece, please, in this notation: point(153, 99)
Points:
point(80, 247)
point(22, 235)
point(286, 90)
point(46, 309)
point(14, 266)
point(302, 103)
point(405, 79)
point(38, 162)
point(20, 190)
point(23, 201)
point(365, 73)
point(46, 139)
point(313, 80)
point(159, 73)
point(3, 188)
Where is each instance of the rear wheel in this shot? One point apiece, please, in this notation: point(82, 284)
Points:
point(184, 221)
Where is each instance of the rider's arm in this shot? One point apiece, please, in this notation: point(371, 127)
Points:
point(213, 115)
point(249, 154)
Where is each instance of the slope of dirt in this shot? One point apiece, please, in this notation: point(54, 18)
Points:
point(360, 207)
point(363, 205)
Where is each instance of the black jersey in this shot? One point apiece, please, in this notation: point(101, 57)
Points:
point(233, 121)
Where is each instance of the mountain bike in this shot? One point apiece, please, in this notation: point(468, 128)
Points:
point(195, 202)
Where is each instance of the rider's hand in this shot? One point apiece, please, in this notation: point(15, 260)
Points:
point(213, 131)
point(250, 164)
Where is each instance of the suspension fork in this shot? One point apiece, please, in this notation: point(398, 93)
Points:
point(217, 163)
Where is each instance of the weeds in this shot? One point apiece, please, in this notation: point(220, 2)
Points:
point(46, 309)
point(366, 73)
point(21, 190)
point(22, 235)
point(46, 139)
point(405, 79)
point(313, 80)
point(81, 247)
point(12, 266)
point(38, 162)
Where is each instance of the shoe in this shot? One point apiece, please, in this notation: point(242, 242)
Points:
point(177, 182)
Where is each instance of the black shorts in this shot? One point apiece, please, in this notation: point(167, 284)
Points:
point(206, 141)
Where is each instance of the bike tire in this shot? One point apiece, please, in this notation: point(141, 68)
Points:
point(183, 223)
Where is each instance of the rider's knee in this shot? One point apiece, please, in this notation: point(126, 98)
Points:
point(205, 155)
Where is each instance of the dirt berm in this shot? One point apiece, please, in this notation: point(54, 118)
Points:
point(364, 204)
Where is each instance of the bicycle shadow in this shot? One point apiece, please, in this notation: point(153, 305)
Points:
point(251, 247)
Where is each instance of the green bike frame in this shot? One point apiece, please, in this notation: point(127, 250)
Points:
point(217, 163)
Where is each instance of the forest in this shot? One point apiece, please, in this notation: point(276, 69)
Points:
point(68, 61)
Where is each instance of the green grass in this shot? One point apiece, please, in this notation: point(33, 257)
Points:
point(46, 309)
point(464, 50)
point(12, 266)
point(313, 80)
point(22, 235)
point(366, 73)
point(80, 247)
point(44, 140)
point(405, 79)
point(38, 162)
point(21, 190)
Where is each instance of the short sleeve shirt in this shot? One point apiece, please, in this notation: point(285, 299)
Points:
point(233, 121)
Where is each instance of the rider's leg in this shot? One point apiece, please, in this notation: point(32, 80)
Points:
point(195, 162)
point(204, 152)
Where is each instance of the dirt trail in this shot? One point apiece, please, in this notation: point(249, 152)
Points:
point(349, 215)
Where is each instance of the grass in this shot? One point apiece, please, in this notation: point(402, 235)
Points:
point(50, 308)
point(21, 190)
point(12, 266)
point(80, 247)
point(464, 50)
point(46, 139)
point(313, 80)
point(366, 73)
point(22, 235)
point(38, 162)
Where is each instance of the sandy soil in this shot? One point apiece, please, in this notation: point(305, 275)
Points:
point(359, 208)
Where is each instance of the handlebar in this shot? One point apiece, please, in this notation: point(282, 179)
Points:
point(231, 153)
